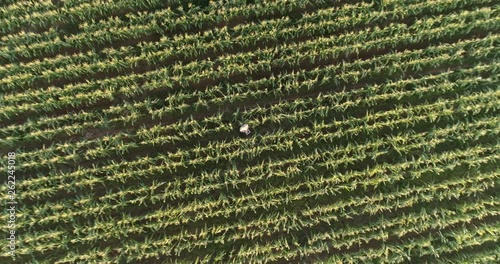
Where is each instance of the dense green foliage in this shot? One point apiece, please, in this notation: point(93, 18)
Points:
point(375, 130)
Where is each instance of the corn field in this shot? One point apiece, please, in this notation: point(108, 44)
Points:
point(250, 131)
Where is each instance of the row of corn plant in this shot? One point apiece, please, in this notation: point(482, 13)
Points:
point(449, 189)
point(411, 190)
point(432, 244)
point(53, 74)
point(307, 183)
point(213, 183)
point(283, 26)
point(328, 70)
point(415, 113)
point(423, 112)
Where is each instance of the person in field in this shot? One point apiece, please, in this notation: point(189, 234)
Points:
point(245, 129)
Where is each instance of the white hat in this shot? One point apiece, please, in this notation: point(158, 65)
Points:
point(245, 129)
